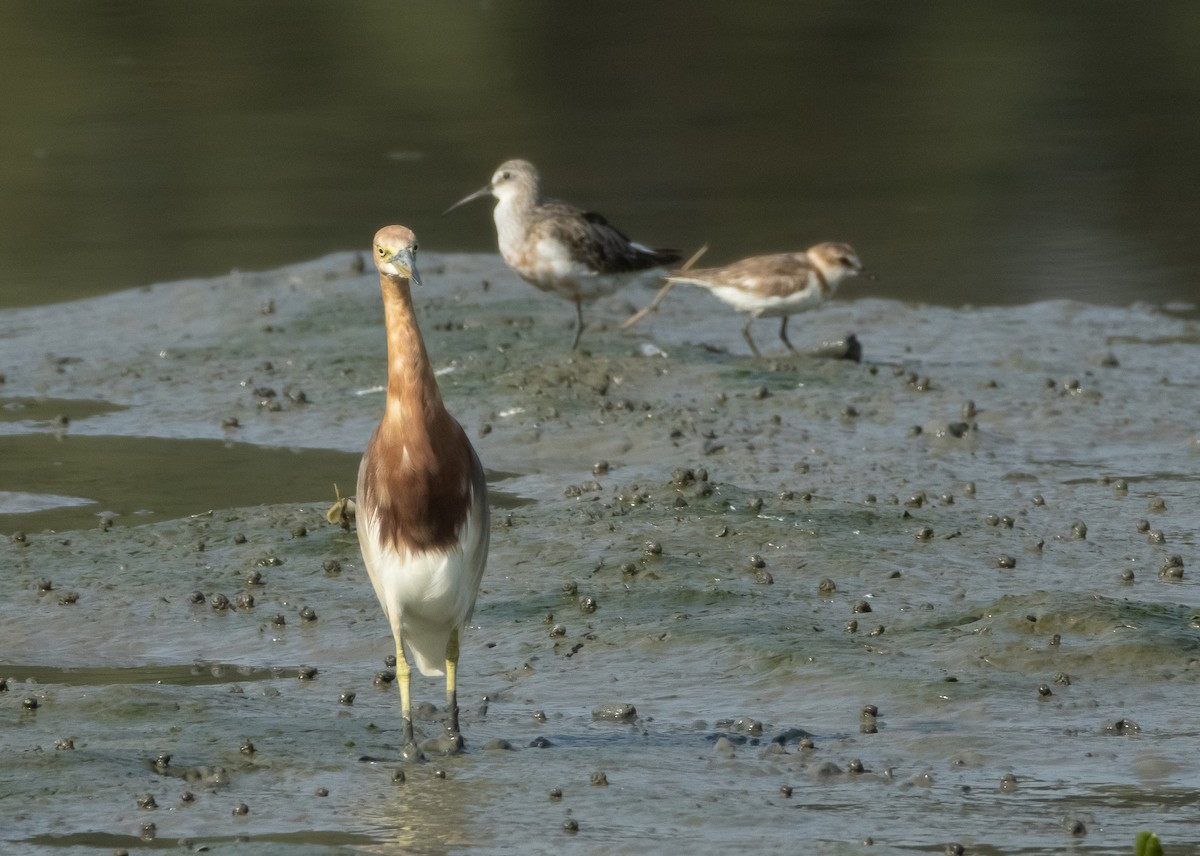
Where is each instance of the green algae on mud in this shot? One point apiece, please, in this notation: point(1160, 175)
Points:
point(681, 507)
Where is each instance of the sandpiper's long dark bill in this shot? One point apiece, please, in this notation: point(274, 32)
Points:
point(777, 286)
point(561, 249)
point(422, 508)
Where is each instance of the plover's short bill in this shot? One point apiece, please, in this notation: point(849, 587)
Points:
point(575, 254)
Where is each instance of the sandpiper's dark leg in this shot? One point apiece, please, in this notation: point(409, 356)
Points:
point(453, 734)
point(578, 324)
point(410, 750)
point(746, 336)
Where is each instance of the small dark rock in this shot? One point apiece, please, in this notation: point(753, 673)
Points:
point(615, 713)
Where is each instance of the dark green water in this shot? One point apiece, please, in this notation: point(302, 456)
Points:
point(993, 154)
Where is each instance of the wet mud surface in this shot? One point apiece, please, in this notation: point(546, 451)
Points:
point(944, 596)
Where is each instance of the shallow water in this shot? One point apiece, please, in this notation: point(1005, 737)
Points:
point(1037, 672)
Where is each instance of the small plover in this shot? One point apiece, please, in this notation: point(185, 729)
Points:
point(778, 285)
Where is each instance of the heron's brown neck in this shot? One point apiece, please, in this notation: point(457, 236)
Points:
point(411, 388)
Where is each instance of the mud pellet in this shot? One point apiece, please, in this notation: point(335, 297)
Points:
point(1123, 727)
point(1142, 525)
point(862, 606)
point(1156, 536)
point(1079, 530)
point(307, 613)
point(1006, 561)
point(1172, 569)
point(241, 810)
point(619, 712)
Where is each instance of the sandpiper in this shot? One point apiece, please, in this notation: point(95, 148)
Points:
point(422, 506)
point(778, 285)
point(559, 248)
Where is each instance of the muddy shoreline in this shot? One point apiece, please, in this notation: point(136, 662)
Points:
point(972, 532)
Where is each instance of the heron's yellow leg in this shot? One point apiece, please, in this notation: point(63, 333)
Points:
point(452, 684)
point(403, 678)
